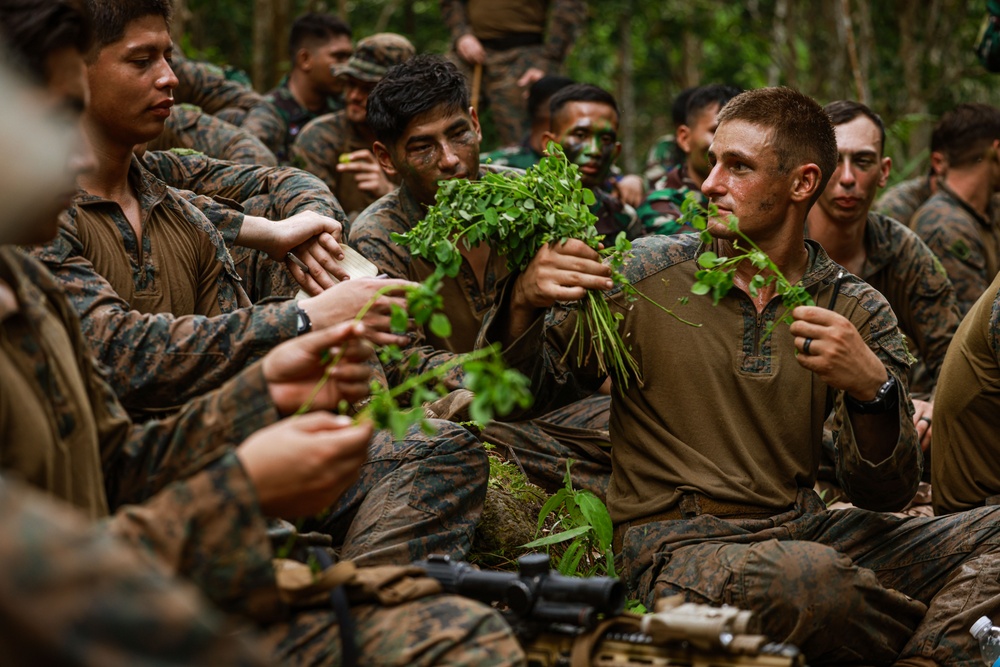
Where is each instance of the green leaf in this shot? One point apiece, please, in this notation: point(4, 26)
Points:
point(596, 514)
point(440, 325)
point(588, 197)
point(701, 288)
point(564, 536)
point(398, 320)
point(707, 259)
point(554, 501)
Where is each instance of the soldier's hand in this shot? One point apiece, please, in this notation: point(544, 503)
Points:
point(923, 412)
point(630, 190)
point(294, 368)
point(836, 352)
point(344, 301)
point(302, 465)
point(531, 75)
point(367, 173)
point(470, 49)
point(560, 272)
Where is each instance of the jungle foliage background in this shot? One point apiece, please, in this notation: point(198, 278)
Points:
point(910, 60)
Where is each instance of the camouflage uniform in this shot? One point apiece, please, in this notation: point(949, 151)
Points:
point(614, 216)
point(661, 210)
point(521, 156)
point(965, 468)
point(716, 451)
point(661, 159)
point(272, 193)
point(505, 63)
point(56, 567)
point(967, 243)
point(188, 127)
point(542, 446)
point(292, 117)
point(198, 513)
point(902, 200)
point(207, 87)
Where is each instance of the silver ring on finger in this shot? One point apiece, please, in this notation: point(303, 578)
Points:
point(805, 346)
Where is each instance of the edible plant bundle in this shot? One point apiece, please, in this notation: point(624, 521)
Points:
point(517, 214)
point(716, 273)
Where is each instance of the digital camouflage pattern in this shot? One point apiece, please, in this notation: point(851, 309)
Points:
point(72, 594)
point(503, 68)
point(660, 212)
point(965, 468)
point(374, 55)
point(902, 200)
point(661, 158)
point(272, 193)
point(318, 149)
point(157, 361)
point(967, 243)
point(207, 87)
point(555, 437)
point(521, 156)
point(189, 127)
point(291, 116)
point(668, 434)
point(182, 500)
point(846, 586)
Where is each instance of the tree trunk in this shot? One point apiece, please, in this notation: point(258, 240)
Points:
point(181, 17)
point(386, 14)
point(279, 40)
point(690, 58)
point(626, 91)
point(866, 45)
point(847, 30)
point(779, 43)
point(263, 13)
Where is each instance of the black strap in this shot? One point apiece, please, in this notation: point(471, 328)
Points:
point(342, 610)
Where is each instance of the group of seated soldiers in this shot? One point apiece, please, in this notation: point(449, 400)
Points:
point(162, 326)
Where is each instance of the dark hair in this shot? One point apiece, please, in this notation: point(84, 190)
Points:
point(803, 132)
point(541, 91)
point(35, 29)
point(313, 28)
point(964, 133)
point(703, 97)
point(581, 92)
point(422, 83)
point(111, 17)
point(678, 110)
point(844, 111)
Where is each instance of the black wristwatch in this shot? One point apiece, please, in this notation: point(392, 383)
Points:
point(305, 324)
point(886, 399)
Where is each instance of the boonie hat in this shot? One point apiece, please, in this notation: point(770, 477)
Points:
point(374, 55)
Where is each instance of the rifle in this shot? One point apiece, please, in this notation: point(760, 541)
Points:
point(558, 621)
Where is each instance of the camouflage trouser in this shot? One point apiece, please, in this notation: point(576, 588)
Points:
point(416, 496)
point(542, 446)
point(438, 630)
point(847, 586)
point(262, 276)
point(500, 92)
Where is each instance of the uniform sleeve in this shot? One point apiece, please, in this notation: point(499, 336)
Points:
point(206, 86)
point(226, 141)
point(454, 16)
point(72, 593)
point(956, 242)
point(315, 150)
point(160, 360)
point(565, 20)
point(886, 485)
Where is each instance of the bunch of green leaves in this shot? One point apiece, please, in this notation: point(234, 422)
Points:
point(517, 214)
point(583, 521)
point(715, 276)
point(496, 388)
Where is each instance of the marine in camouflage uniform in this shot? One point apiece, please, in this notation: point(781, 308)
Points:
point(715, 452)
point(207, 87)
point(189, 127)
point(660, 160)
point(966, 242)
point(902, 200)
point(55, 566)
point(660, 213)
point(515, 39)
point(521, 156)
point(541, 446)
point(326, 140)
point(181, 496)
point(267, 192)
point(292, 116)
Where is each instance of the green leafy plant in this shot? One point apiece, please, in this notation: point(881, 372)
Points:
point(496, 388)
point(715, 276)
point(518, 214)
point(583, 521)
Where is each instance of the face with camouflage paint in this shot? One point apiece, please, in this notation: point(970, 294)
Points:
point(438, 145)
point(588, 133)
